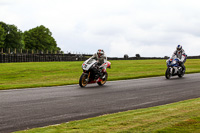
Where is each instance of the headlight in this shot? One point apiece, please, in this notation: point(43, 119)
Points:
point(174, 62)
point(84, 66)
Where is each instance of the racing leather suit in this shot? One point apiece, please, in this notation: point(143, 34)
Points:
point(181, 56)
point(102, 62)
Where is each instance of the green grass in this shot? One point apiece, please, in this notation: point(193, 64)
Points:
point(180, 117)
point(40, 74)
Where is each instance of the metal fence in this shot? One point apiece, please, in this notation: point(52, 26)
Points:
point(46, 56)
point(18, 55)
point(7, 58)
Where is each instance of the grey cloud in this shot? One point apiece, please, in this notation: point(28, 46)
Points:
point(88, 25)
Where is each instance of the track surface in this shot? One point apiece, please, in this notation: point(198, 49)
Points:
point(35, 107)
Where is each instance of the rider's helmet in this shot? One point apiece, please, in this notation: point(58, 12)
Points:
point(179, 48)
point(100, 52)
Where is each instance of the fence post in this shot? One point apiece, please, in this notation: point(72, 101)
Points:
point(1, 50)
point(8, 50)
point(21, 51)
point(15, 51)
point(32, 52)
point(47, 51)
point(27, 51)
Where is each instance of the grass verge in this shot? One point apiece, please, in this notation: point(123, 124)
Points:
point(40, 74)
point(180, 117)
point(177, 117)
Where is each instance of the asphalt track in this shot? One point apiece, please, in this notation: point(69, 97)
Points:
point(36, 107)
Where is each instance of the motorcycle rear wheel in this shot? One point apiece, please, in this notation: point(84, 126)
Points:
point(83, 80)
point(167, 74)
point(101, 83)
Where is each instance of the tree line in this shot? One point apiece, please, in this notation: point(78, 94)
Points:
point(38, 38)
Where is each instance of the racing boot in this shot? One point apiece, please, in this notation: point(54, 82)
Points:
point(103, 74)
point(183, 68)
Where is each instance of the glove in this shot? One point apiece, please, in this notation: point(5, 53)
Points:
point(180, 60)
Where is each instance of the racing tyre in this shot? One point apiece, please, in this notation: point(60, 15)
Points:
point(167, 74)
point(83, 80)
point(105, 76)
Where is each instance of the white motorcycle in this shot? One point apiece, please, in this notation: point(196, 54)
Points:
point(92, 73)
point(173, 69)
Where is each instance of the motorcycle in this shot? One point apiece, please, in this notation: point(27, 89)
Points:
point(174, 69)
point(92, 73)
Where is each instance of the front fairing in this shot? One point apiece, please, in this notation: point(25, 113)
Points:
point(173, 63)
point(88, 64)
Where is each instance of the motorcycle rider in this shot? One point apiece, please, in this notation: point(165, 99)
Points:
point(180, 54)
point(102, 62)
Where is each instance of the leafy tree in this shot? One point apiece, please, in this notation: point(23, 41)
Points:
point(5, 26)
point(12, 37)
point(40, 38)
point(125, 56)
point(137, 55)
point(2, 37)
point(4, 31)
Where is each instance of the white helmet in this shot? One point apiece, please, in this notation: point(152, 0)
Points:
point(100, 52)
point(179, 47)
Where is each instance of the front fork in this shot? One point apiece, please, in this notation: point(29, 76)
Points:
point(88, 77)
point(170, 70)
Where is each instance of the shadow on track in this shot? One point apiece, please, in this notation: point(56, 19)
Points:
point(94, 87)
point(175, 78)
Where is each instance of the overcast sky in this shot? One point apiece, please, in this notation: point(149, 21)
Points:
point(145, 27)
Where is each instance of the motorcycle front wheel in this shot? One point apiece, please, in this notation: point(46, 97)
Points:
point(83, 80)
point(168, 74)
point(105, 76)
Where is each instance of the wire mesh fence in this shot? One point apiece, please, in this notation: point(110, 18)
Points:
point(7, 58)
point(19, 55)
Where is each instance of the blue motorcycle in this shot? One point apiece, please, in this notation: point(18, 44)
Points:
point(174, 69)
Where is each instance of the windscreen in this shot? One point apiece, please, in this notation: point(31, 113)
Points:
point(90, 61)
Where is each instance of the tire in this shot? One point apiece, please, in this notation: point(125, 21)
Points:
point(101, 83)
point(167, 74)
point(82, 80)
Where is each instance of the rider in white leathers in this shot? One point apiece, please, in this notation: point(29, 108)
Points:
point(180, 54)
point(102, 60)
